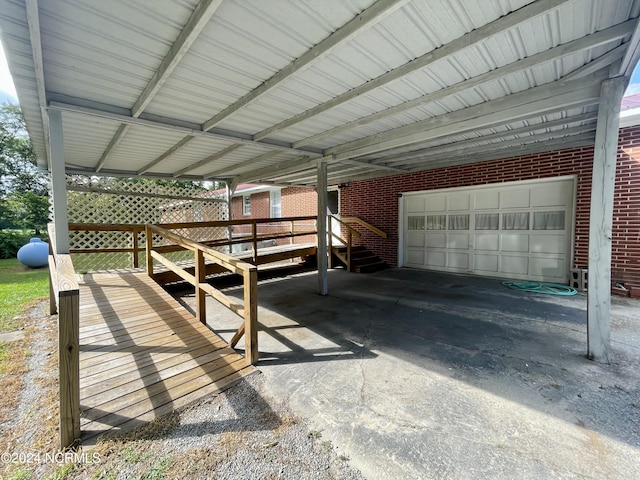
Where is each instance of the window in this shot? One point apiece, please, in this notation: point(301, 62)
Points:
point(548, 221)
point(515, 221)
point(459, 222)
point(246, 205)
point(276, 204)
point(436, 222)
point(416, 223)
point(487, 221)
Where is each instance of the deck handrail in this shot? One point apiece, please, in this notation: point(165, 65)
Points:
point(351, 233)
point(252, 237)
point(359, 221)
point(64, 299)
point(248, 310)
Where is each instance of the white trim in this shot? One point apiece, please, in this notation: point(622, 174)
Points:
point(496, 184)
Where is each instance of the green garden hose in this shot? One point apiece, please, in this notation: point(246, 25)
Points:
point(537, 287)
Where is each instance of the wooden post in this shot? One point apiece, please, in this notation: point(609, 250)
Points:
point(58, 182)
point(251, 315)
point(254, 241)
point(69, 358)
point(136, 247)
point(601, 220)
point(201, 299)
point(53, 301)
point(293, 229)
point(323, 282)
point(149, 246)
point(330, 240)
point(349, 241)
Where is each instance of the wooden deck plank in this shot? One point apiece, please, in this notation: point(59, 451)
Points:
point(142, 354)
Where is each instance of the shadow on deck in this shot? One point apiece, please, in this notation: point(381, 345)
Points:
point(143, 355)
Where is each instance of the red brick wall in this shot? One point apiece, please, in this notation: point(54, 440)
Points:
point(376, 201)
point(295, 202)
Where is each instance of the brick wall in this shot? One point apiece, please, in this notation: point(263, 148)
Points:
point(376, 201)
point(294, 201)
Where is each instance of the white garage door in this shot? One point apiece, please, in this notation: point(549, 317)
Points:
point(516, 230)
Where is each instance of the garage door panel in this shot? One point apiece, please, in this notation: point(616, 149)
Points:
point(460, 201)
point(489, 242)
point(547, 268)
point(551, 196)
point(415, 257)
point(415, 239)
point(415, 204)
point(458, 260)
point(436, 259)
point(458, 240)
point(515, 198)
point(436, 204)
point(515, 243)
point(547, 243)
point(485, 263)
point(486, 200)
point(514, 265)
point(436, 240)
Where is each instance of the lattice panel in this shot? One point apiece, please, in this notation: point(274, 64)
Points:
point(121, 201)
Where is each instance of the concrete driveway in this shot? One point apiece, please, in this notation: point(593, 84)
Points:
point(415, 374)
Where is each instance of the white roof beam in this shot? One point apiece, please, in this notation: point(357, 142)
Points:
point(632, 54)
point(166, 154)
point(514, 107)
point(597, 64)
point(585, 43)
point(514, 142)
point(196, 23)
point(33, 21)
point(287, 166)
point(470, 143)
point(373, 14)
point(509, 152)
point(244, 164)
point(372, 166)
point(209, 159)
point(123, 115)
point(563, 143)
point(480, 34)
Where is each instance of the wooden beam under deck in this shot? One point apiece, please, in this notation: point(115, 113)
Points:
point(143, 355)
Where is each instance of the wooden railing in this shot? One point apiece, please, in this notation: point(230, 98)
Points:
point(64, 299)
point(288, 227)
point(352, 234)
point(202, 253)
point(133, 229)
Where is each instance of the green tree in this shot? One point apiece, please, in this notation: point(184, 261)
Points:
point(23, 187)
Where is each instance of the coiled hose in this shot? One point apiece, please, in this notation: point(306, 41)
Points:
point(537, 287)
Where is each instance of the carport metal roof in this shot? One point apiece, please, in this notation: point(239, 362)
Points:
point(258, 91)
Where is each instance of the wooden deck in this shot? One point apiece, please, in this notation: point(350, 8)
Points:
point(142, 354)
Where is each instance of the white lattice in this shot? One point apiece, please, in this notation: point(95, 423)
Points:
point(123, 201)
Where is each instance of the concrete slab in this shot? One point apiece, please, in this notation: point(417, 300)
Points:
point(416, 374)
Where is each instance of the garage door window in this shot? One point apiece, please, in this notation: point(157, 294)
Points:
point(487, 221)
point(416, 223)
point(459, 222)
point(515, 221)
point(548, 221)
point(436, 222)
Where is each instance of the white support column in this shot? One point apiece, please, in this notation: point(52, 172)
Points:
point(601, 220)
point(323, 263)
point(58, 182)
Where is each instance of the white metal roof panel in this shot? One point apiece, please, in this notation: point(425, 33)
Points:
point(99, 58)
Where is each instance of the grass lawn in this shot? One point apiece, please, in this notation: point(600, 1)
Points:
point(18, 286)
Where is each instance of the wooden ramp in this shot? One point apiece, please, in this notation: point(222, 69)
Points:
point(142, 354)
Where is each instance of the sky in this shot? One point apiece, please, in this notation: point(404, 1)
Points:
point(7, 90)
